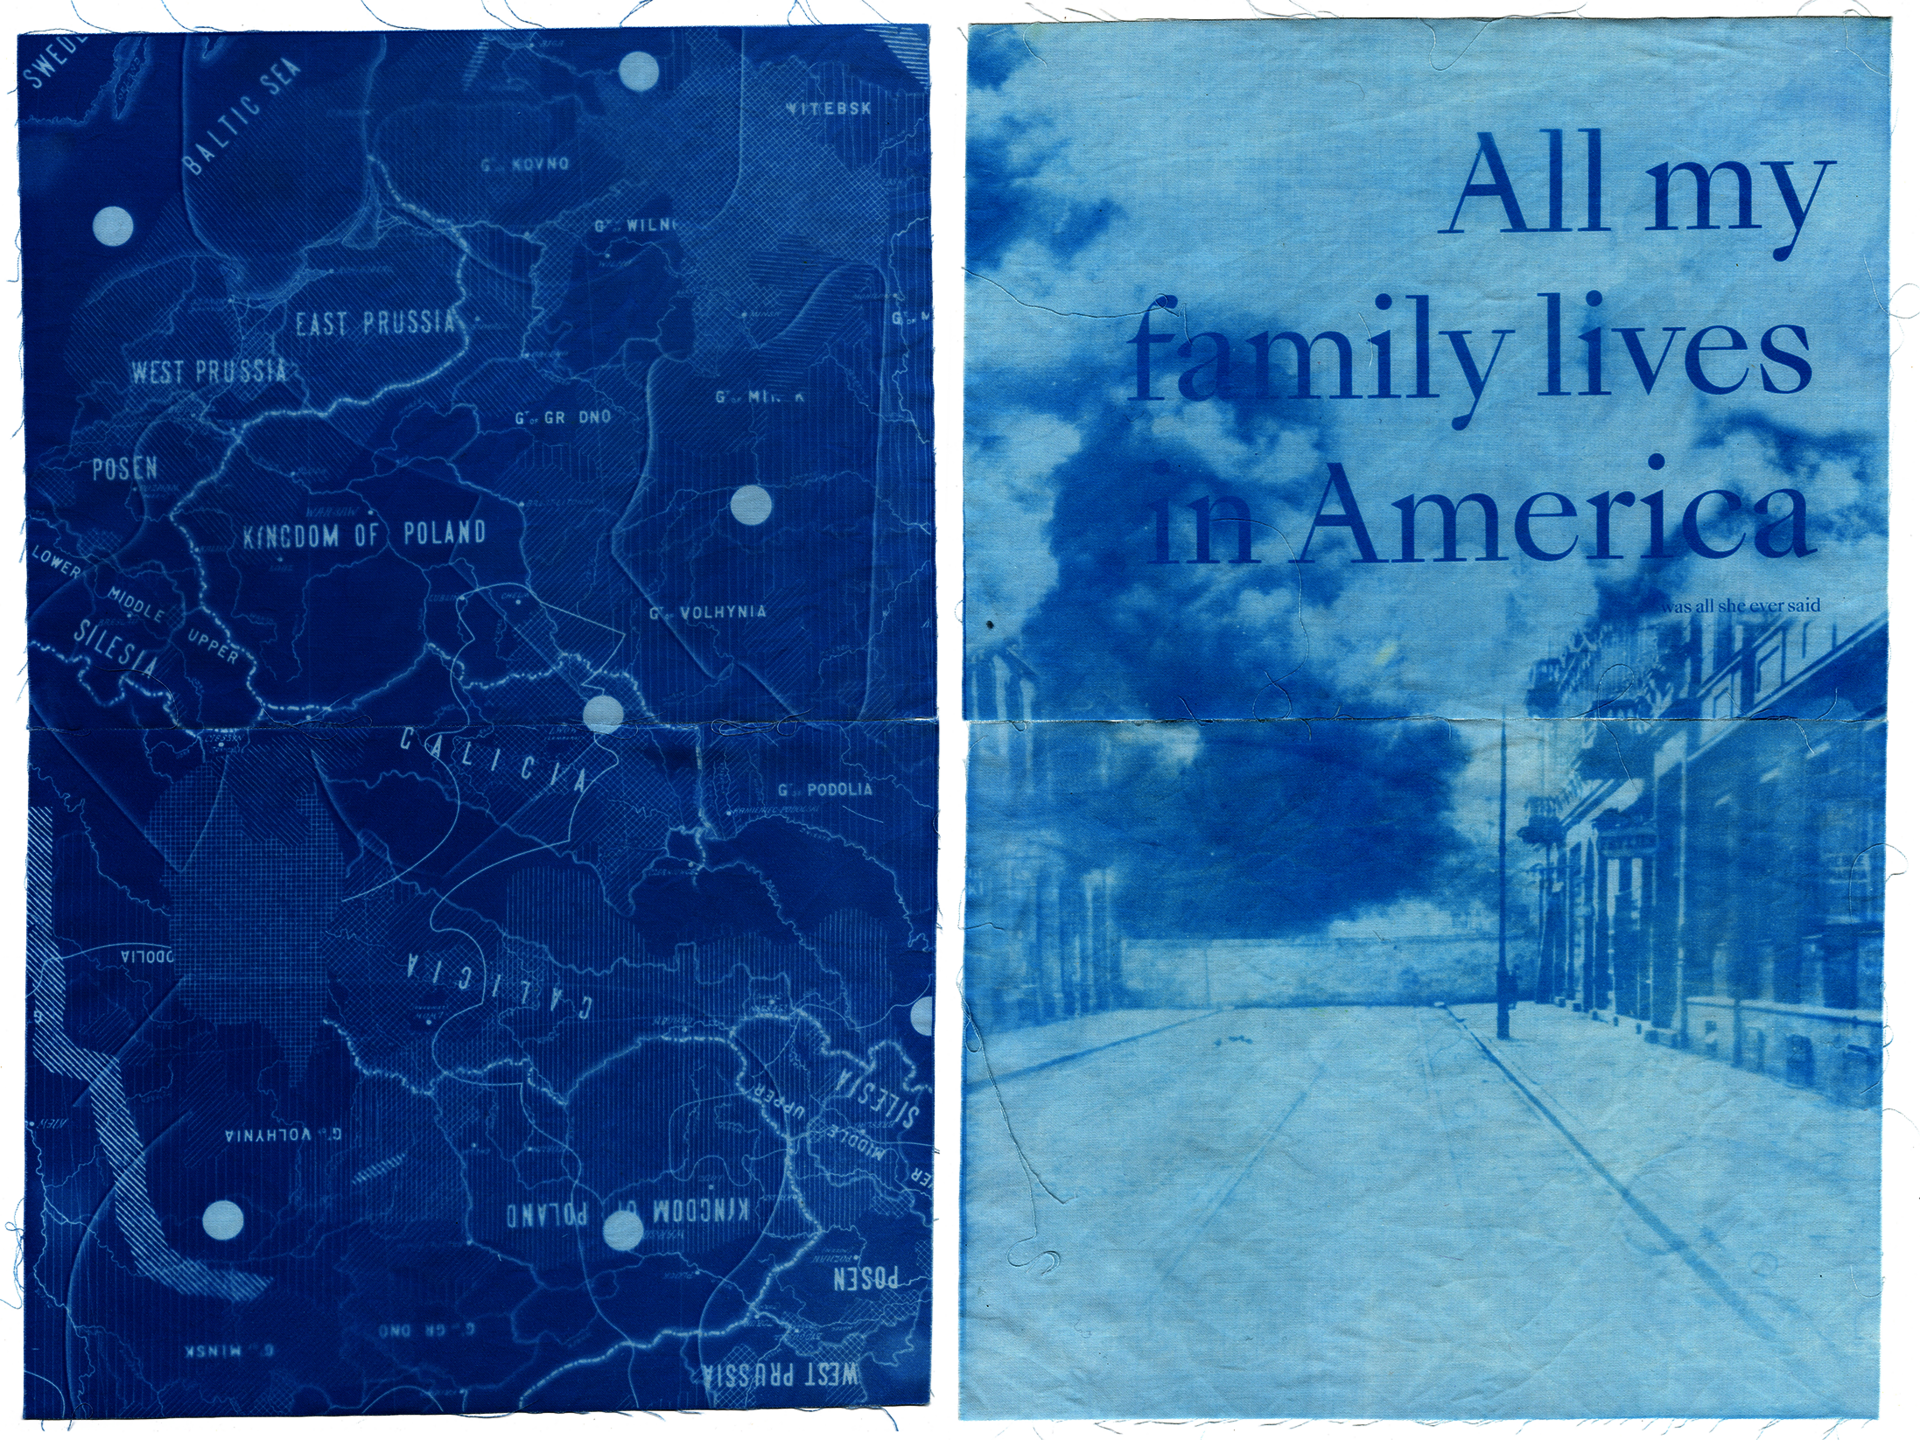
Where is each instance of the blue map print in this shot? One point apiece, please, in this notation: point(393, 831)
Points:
point(482, 796)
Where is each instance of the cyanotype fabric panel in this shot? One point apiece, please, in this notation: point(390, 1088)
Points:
point(482, 795)
point(1172, 515)
point(1426, 503)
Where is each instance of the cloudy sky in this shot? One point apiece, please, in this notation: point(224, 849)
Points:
point(1278, 177)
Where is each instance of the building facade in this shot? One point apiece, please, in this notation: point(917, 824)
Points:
point(1051, 950)
point(1703, 867)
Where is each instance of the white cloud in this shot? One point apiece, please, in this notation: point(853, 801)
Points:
point(1010, 463)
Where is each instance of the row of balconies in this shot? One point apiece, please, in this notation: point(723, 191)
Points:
point(1625, 674)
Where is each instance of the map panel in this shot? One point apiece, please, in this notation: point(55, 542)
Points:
point(482, 792)
point(482, 365)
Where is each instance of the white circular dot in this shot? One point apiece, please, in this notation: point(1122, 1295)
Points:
point(751, 505)
point(622, 1230)
point(922, 1015)
point(639, 71)
point(603, 715)
point(223, 1220)
point(113, 226)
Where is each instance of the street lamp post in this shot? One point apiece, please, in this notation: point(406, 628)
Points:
point(1503, 981)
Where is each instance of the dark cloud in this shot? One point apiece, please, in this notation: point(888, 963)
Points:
point(1246, 829)
point(1005, 204)
point(994, 52)
point(1799, 456)
point(1121, 635)
point(1277, 820)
